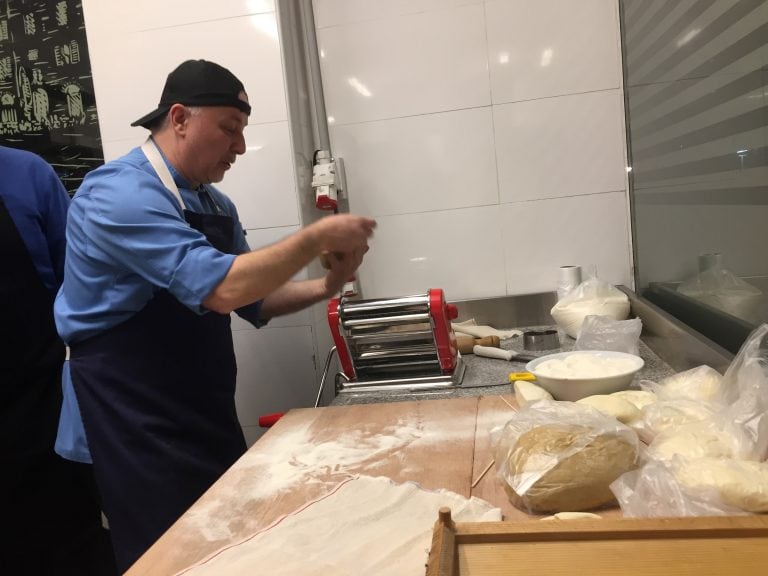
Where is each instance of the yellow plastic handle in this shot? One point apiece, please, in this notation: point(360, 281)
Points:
point(521, 376)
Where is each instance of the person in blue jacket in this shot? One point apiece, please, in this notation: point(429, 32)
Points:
point(156, 261)
point(50, 509)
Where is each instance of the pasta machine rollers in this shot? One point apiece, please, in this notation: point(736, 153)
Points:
point(404, 343)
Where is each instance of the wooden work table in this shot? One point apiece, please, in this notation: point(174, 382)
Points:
point(436, 443)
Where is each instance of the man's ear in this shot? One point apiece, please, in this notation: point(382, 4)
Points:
point(178, 116)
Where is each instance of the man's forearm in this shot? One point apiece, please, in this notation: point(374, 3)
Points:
point(257, 274)
point(294, 296)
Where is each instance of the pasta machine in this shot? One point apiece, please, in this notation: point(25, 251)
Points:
point(404, 343)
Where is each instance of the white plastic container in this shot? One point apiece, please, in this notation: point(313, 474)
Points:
point(569, 277)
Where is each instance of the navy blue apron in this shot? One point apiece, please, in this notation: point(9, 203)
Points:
point(50, 506)
point(157, 397)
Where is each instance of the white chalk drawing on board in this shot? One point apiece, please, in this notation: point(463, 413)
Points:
point(46, 90)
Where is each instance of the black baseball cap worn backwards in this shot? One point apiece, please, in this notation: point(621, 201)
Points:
point(197, 83)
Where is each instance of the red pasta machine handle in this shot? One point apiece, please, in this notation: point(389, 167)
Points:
point(268, 420)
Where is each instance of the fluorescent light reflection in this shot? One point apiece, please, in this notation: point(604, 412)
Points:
point(266, 24)
point(546, 57)
point(359, 87)
point(688, 37)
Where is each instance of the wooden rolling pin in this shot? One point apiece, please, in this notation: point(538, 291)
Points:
point(466, 343)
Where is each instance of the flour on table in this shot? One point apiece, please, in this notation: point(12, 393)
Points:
point(368, 526)
point(296, 457)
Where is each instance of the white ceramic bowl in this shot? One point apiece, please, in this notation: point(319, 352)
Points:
point(566, 388)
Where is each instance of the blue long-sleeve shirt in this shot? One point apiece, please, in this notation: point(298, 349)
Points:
point(37, 203)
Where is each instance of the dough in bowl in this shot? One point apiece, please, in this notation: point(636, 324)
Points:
point(562, 467)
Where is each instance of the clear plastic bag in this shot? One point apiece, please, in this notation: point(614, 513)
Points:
point(593, 297)
point(560, 456)
point(706, 457)
point(721, 289)
point(715, 438)
point(745, 390)
point(605, 333)
point(654, 491)
point(701, 384)
point(663, 416)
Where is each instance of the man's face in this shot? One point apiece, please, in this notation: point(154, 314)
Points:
point(214, 139)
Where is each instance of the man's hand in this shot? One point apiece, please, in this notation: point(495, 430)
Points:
point(341, 269)
point(265, 273)
point(341, 233)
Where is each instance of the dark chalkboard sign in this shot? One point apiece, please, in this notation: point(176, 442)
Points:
point(47, 104)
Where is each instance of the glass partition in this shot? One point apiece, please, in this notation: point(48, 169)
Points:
point(696, 79)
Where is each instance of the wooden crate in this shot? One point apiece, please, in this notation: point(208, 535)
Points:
point(702, 546)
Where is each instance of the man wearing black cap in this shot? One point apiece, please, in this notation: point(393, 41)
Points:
point(156, 261)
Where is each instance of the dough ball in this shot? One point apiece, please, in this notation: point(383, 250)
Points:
point(697, 440)
point(701, 384)
point(623, 410)
point(640, 398)
point(527, 393)
point(556, 468)
point(666, 415)
point(739, 483)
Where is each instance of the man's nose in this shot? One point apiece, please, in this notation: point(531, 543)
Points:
point(238, 147)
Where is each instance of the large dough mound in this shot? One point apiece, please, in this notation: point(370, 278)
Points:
point(560, 468)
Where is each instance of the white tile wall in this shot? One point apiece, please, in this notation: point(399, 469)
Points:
point(462, 184)
point(335, 12)
point(130, 90)
point(390, 164)
point(589, 231)
point(562, 146)
point(123, 16)
point(406, 65)
point(460, 251)
point(262, 181)
point(548, 48)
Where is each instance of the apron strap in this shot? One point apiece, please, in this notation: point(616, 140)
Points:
point(150, 150)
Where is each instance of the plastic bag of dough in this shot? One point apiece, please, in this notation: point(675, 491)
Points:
point(561, 456)
point(669, 414)
point(702, 384)
point(593, 297)
point(653, 491)
point(604, 333)
point(722, 289)
point(745, 390)
point(741, 484)
point(715, 438)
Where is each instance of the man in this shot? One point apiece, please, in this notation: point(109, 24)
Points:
point(50, 505)
point(156, 261)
